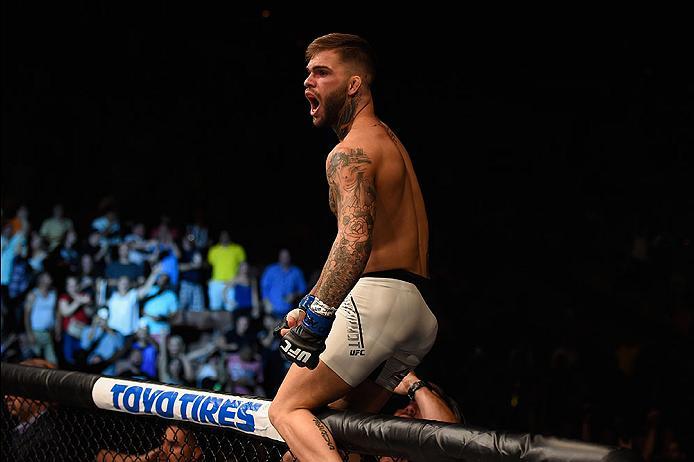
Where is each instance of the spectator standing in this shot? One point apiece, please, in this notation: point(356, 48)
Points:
point(225, 258)
point(159, 307)
point(199, 230)
point(38, 251)
point(123, 267)
point(140, 248)
point(124, 307)
point(281, 284)
point(68, 254)
point(168, 254)
point(191, 293)
point(108, 226)
point(97, 249)
point(88, 278)
point(53, 229)
point(75, 308)
point(64, 259)
point(20, 222)
point(40, 319)
point(241, 293)
point(20, 281)
point(11, 247)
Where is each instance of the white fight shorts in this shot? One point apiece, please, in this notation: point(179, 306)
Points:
point(382, 330)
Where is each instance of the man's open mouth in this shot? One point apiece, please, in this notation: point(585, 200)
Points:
point(315, 103)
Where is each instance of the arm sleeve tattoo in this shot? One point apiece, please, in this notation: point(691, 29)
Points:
point(353, 195)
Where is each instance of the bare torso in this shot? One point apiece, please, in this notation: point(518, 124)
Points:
point(400, 229)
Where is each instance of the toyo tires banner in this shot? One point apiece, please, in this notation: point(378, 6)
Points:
point(249, 415)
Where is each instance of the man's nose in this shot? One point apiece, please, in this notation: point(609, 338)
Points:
point(309, 82)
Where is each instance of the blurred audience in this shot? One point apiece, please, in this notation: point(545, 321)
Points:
point(53, 229)
point(602, 353)
point(224, 258)
point(40, 319)
point(281, 284)
point(75, 307)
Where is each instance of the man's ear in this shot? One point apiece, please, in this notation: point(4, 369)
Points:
point(354, 85)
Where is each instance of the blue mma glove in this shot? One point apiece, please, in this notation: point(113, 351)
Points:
point(304, 342)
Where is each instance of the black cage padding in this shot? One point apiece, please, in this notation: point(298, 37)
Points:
point(67, 387)
point(426, 441)
point(369, 434)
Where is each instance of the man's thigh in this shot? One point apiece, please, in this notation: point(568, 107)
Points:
point(367, 397)
point(304, 388)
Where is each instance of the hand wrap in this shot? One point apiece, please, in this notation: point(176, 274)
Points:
point(304, 342)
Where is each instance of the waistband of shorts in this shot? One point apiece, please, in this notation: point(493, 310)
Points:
point(422, 283)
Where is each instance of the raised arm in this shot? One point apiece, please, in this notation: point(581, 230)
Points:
point(144, 289)
point(68, 308)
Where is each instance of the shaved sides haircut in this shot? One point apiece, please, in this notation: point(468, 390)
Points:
point(352, 49)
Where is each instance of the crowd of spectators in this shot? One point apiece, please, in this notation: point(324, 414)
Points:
point(182, 306)
point(171, 304)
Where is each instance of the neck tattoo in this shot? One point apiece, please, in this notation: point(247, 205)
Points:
point(346, 117)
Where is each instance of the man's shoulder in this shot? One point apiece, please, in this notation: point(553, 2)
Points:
point(352, 152)
point(370, 143)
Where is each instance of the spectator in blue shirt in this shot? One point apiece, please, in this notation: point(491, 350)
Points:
point(281, 284)
point(167, 254)
point(101, 342)
point(160, 307)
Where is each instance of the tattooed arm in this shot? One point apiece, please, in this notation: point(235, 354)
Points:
point(351, 179)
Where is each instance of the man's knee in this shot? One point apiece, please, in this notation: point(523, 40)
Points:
point(275, 413)
point(278, 412)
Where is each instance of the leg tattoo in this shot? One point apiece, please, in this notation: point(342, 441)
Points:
point(324, 433)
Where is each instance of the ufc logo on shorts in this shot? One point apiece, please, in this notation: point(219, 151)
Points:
point(297, 353)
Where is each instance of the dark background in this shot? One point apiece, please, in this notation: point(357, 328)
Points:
point(543, 151)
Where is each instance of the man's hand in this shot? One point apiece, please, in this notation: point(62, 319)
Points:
point(293, 318)
point(304, 331)
point(406, 383)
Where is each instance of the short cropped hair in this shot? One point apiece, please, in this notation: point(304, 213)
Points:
point(351, 48)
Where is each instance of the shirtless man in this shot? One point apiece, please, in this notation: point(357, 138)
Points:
point(356, 356)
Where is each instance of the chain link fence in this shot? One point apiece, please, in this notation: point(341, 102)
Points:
point(62, 415)
point(36, 431)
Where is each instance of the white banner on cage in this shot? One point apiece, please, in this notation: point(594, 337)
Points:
point(248, 415)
